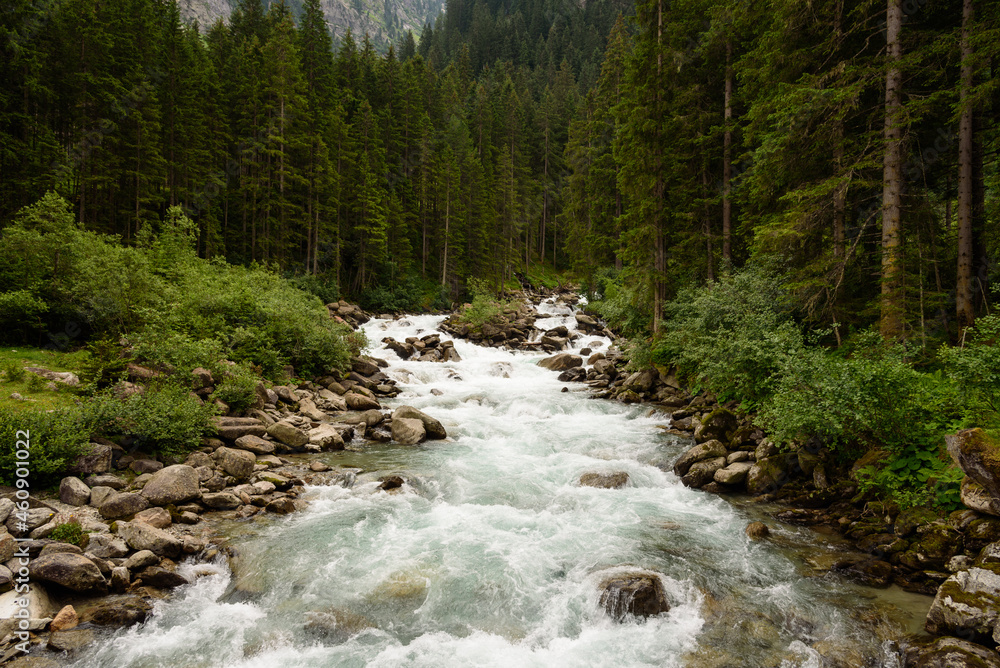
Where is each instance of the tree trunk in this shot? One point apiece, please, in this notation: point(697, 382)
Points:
point(893, 287)
point(964, 290)
point(840, 194)
point(727, 162)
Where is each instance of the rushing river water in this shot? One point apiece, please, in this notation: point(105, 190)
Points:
point(491, 553)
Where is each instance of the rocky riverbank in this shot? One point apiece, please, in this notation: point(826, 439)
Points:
point(127, 526)
point(953, 557)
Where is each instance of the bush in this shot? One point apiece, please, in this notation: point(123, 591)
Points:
point(103, 365)
point(13, 371)
point(485, 307)
point(238, 388)
point(626, 309)
point(71, 532)
point(57, 439)
point(975, 366)
point(165, 419)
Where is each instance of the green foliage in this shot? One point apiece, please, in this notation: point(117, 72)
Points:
point(485, 307)
point(624, 306)
point(164, 419)
point(323, 286)
point(177, 351)
point(975, 367)
point(57, 438)
point(915, 477)
point(69, 532)
point(238, 387)
point(103, 365)
point(13, 371)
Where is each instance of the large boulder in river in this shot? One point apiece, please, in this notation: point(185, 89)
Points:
point(950, 653)
point(615, 480)
point(707, 450)
point(173, 484)
point(561, 362)
point(703, 472)
point(638, 593)
point(73, 571)
point(407, 431)
point(288, 433)
point(978, 456)
point(434, 429)
point(359, 402)
point(968, 604)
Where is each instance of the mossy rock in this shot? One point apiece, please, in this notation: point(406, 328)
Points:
point(979, 456)
point(967, 604)
point(911, 518)
point(720, 424)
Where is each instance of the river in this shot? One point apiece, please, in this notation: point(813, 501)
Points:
point(491, 552)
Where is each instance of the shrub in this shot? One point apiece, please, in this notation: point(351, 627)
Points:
point(13, 371)
point(238, 388)
point(70, 532)
point(975, 366)
point(164, 419)
point(485, 307)
point(103, 365)
point(57, 439)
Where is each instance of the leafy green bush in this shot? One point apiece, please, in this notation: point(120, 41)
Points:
point(70, 532)
point(164, 419)
point(626, 309)
point(485, 307)
point(975, 366)
point(103, 365)
point(13, 371)
point(179, 351)
point(57, 439)
point(323, 286)
point(238, 388)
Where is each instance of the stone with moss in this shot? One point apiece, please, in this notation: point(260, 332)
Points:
point(720, 424)
point(967, 604)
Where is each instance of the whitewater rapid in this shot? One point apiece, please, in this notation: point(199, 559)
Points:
point(491, 553)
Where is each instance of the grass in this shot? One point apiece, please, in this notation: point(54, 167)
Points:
point(28, 386)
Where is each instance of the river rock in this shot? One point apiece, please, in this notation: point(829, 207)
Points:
point(73, 492)
point(288, 433)
point(70, 641)
point(561, 362)
point(161, 578)
point(757, 531)
point(769, 474)
point(40, 605)
point(141, 536)
point(8, 546)
point(282, 506)
point(641, 381)
point(433, 428)
point(142, 466)
point(976, 454)
point(327, 437)
point(255, 444)
point(221, 501)
point(638, 593)
point(173, 484)
point(120, 579)
point(865, 570)
point(100, 494)
point(65, 619)
point(615, 480)
point(73, 571)
point(359, 402)
point(122, 505)
point(719, 424)
point(107, 546)
point(975, 497)
point(122, 611)
point(407, 431)
point(97, 460)
point(154, 517)
point(968, 603)
point(950, 653)
point(707, 450)
point(733, 474)
point(336, 625)
point(105, 480)
point(21, 524)
point(140, 560)
point(703, 472)
point(237, 463)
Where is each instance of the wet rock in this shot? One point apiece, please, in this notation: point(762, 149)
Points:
point(388, 482)
point(73, 571)
point(719, 424)
point(359, 402)
point(707, 450)
point(161, 578)
point(70, 641)
point(561, 362)
point(173, 484)
point(950, 653)
point(407, 431)
point(237, 463)
point(769, 474)
point(733, 474)
point(140, 536)
point(65, 619)
point(433, 428)
point(638, 593)
point(865, 570)
point(336, 625)
point(282, 506)
point(615, 480)
point(73, 492)
point(967, 604)
point(122, 505)
point(757, 531)
point(140, 560)
point(120, 612)
point(326, 437)
point(703, 472)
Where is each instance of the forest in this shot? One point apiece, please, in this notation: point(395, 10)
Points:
point(793, 202)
